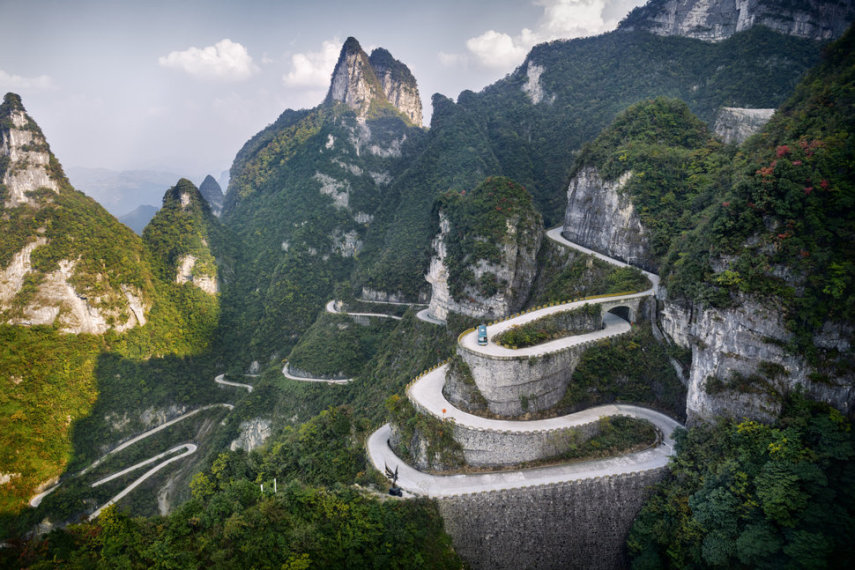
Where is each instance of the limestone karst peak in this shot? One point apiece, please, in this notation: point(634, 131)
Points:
point(26, 163)
point(399, 84)
point(359, 80)
point(184, 195)
point(212, 192)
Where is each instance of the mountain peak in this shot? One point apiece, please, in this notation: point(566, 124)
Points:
point(351, 45)
point(26, 163)
point(184, 195)
point(212, 192)
point(358, 81)
point(11, 102)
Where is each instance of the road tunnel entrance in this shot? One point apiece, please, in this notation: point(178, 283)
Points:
point(623, 312)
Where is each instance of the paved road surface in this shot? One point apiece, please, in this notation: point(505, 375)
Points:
point(286, 371)
point(614, 325)
point(424, 315)
point(190, 449)
point(221, 380)
point(331, 308)
point(555, 235)
point(419, 483)
point(426, 392)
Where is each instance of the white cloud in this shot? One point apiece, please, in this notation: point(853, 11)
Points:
point(495, 49)
point(11, 82)
point(226, 60)
point(562, 19)
point(313, 69)
point(451, 59)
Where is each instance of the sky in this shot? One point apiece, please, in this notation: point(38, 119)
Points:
point(180, 85)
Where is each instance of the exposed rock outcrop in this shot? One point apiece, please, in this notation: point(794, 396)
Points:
point(735, 124)
point(359, 81)
point(496, 281)
point(213, 194)
point(207, 283)
point(715, 20)
point(60, 274)
point(741, 366)
point(601, 217)
point(398, 83)
point(25, 159)
point(253, 434)
point(533, 87)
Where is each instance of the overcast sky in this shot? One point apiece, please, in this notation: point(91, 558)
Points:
point(181, 85)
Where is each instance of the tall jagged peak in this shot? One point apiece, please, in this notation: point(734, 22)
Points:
point(399, 84)
point(26, 163)
point(212, 192)
point(716, 20)
point(358, 81)
point(178, 237)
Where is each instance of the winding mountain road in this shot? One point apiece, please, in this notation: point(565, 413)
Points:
point(36, 500)
point(426, 394)
point(555, 235)
point(424, 315)
point(189, 449)
point(286, 371)
point(221, 380)
point(331, 308)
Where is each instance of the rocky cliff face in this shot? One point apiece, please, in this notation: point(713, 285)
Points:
point(716, 20)
point(601, 217)
point(398, 83)
point(735, 124)
point(213, 194)
point(25, 159)
point(360, 81)
point(55, 273)
point(488, 286)
point(740, 364)
point(253, 434)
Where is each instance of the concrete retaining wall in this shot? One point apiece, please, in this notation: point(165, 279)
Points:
point(488, 448)
point(577, 524)
point(508, 383)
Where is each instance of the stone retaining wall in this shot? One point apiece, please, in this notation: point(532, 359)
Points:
point(515, 385)
point(489, 448)
point(577, 524)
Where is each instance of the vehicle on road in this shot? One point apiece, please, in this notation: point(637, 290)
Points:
point(482, 335)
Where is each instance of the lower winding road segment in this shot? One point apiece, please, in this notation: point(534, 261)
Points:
point(426, 395)
point(36, 500)
point(189, 449)
point(220, 379)
point(332, 307)
point(286, 372)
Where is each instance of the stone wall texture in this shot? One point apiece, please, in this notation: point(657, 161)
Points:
point(489, 448)
point(577, 524)
point(516, 385)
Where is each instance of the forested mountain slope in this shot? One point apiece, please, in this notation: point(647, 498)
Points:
point(80, 294)
point(321, 196)
point(529, 125)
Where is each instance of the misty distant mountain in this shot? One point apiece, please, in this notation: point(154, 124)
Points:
point(120, 192)
point(139, 218)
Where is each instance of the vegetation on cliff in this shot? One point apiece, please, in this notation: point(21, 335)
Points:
point(676, 165)
point(783, 229)
point(497, 216)
point(749, 495)
point(557, 325)
point(586, 83)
